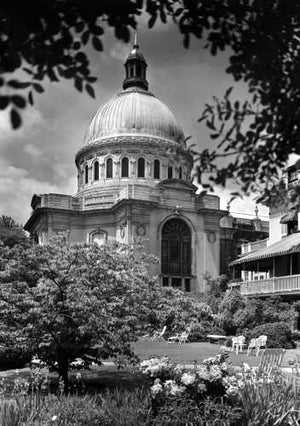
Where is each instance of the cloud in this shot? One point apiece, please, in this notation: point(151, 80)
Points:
point(119, 51)
point(33, 151)
point(17, 189)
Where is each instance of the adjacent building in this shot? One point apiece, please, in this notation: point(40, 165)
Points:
point(272, 266)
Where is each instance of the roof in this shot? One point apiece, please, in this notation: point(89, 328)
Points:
point(287, 245)
point(134, 111)
point(290, 216)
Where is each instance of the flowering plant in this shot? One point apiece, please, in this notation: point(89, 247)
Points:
point(171, 380)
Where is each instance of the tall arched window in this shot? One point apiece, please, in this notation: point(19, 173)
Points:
point(141, 167)
point(86, 174)
point(170, 172)
point(96, 170)
point(176, 248)
point(109, 168)
point(180, 173)
point(124, 168)
point(156, 169)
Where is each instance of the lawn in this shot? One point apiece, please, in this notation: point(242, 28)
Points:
point(197, 351)
point(108, 376)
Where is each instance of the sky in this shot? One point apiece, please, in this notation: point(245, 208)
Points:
point(40, 156)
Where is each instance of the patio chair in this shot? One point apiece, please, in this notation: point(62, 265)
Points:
point(159, 334)
point(238, 343)
point(271, 361)
point(251, 346)
point(261, 343)
point(180, 337)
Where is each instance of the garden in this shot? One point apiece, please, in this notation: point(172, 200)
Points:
point(82, 344)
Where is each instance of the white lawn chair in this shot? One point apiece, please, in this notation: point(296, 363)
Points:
point(261, 343)
point(180, 337)
point(257, 344)
point(238, 343)
point(252, 346)
point(159, 334)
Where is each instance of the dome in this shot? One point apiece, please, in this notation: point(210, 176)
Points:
point(134, 111)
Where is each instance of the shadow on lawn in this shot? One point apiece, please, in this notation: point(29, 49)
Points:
point(91, 382)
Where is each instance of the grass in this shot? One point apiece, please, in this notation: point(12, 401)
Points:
point(197, 351)
point(109, 377)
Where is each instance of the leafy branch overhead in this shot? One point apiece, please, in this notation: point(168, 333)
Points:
point(250, 141)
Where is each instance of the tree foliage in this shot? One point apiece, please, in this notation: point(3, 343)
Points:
point(67, 301)
point(11, 233)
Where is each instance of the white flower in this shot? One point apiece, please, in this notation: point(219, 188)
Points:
point(157, 387)
point(78, 376)
point(246, 367)
point(172, 388)
point(188, 379)
point(54, 418)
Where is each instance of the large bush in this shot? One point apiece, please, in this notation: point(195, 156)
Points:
point(13, 358)
point(279, 334)
point(257, 311)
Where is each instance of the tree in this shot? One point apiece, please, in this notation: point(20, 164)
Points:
point(11, 233)
point(47, 40)
point(65, 301)
point(85, 301)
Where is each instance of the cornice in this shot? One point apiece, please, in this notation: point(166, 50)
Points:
point(124, 142)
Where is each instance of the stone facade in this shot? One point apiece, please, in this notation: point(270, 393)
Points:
point(134, 181)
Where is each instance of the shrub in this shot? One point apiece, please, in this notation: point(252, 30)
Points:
point(279, 335)
point(268, 401)
point(182, 396)
point(12, 358)
point(201, 330)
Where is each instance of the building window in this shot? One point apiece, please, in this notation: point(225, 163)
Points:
point(176, 248)
point(96, 170)
point(170, 172)
point(180, 173)
point(187, 284)
point(124, 167)
point(156, 169)
point(86, 172)
point(141, 167)
point(109, 168)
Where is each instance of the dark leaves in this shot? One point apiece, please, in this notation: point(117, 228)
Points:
point(15, 119)
point(19, 101)
point(97, 44)
point(4, 101)
point(90, 90)
point(38, 87)
point(18, 84)
point(78, 84)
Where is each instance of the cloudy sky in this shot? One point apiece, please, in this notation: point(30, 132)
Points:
point(39, 158)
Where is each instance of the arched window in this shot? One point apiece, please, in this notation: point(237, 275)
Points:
point(86, 173)
point(176, 248)
point(124, 167)
point(96, 170)
point(109, 168)
point(180, 173)
point(170, 172)
point(156, 169)
point(141, 167)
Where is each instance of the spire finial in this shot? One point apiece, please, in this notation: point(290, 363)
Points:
point(135, 66)
point(256, 210)
point(135, 41)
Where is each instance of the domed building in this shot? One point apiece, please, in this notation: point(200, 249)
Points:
point(134, 181)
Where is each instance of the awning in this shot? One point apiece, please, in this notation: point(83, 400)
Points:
point(290, 216)
point(287, 245)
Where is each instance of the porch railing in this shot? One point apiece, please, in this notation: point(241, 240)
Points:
point(286, 284)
